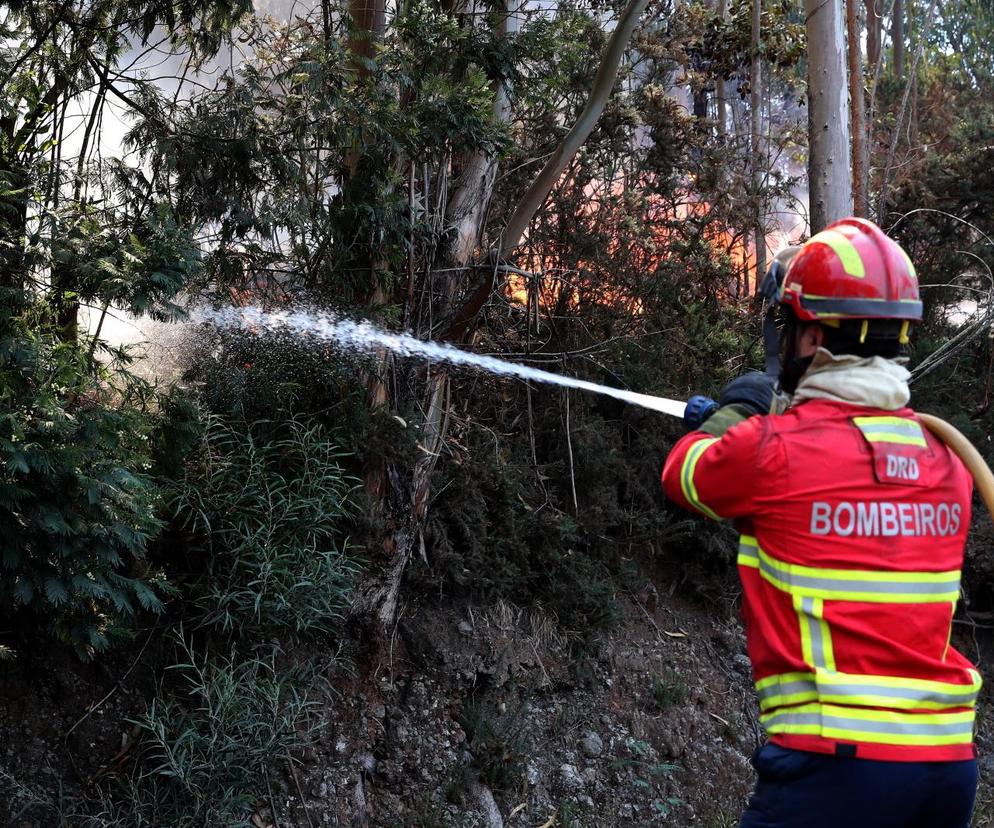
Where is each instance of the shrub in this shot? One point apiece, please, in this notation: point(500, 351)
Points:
point(77, 508)
point(206, 743)
point(499, 738)
point(269, 504)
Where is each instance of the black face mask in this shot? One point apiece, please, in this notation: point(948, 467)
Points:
point(792, 367)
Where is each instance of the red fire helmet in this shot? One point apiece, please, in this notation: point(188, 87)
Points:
point(850, 270)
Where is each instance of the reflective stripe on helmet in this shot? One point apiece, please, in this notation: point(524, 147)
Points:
point(908, 262)
point(862, 307)
point(878, 726)
point(852, 262)
point(873, 586)
point(687, 475)
point(900, 430)
point(866, 691)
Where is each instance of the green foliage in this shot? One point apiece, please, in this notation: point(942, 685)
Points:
point(269, 504)
point(647, 770)
point(139, 270)
point(488, 540)
point(669, 690)
point(498, 738)
point(77, 508)
point(208, 740)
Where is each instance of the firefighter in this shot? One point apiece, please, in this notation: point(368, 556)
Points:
point(853, 520)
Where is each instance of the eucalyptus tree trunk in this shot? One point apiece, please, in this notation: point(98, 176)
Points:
point(897, 38)
point(829, 175)
point(466, 210)
point(465, 216)
point(719, 92)
point(857, 112)
point(368, 28)
point(874, 29)
point(756, 142)
point(369, 25)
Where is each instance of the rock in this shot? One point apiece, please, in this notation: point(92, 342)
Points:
point(626, 811)
point(591, 745)
point(742, 664)
point(367, 762)
point(569, 778)
point(465, 628)
point(379, 711)
point(532, 774)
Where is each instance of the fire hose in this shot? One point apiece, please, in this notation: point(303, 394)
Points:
point(966, 452)
point(699, 408)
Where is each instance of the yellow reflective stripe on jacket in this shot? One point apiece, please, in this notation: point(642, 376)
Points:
point(899, 430)
point(816, 638)
point(786, 689)
point(878, 726)
point(748, 551)
point(894, 692)
point(852, 262)
point(687, 475)
point(872, 586)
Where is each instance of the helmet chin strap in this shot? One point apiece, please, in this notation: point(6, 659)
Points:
point(793, 367)
point(771, 341)
point(770, 291)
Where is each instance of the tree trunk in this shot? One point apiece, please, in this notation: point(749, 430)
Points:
point(719, 92)
point(874, 19)
point(536, 194)
point(829, 176)
point(379, 596)
point(465, 216)
point(756, 142)
point(897, 38)
point(857, 110)
point(369, 24)
point(369, 27)
point(913, 46)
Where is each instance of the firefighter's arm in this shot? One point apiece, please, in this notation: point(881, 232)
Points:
point(719, 476)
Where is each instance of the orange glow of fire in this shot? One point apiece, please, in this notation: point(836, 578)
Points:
point(657, 248)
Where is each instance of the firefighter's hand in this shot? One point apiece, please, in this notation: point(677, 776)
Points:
point(754, 392)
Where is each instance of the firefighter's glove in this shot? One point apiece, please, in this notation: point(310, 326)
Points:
point(752, 393)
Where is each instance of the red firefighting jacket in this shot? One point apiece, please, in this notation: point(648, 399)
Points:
point(853, 522)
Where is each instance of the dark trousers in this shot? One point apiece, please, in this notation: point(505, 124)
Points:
point(797, 789)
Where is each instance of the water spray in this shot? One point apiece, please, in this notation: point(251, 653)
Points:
point(367, 338)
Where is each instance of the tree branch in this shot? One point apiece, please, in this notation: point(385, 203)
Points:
point(540, 188)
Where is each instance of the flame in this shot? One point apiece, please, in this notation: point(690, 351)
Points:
point(659, 245)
